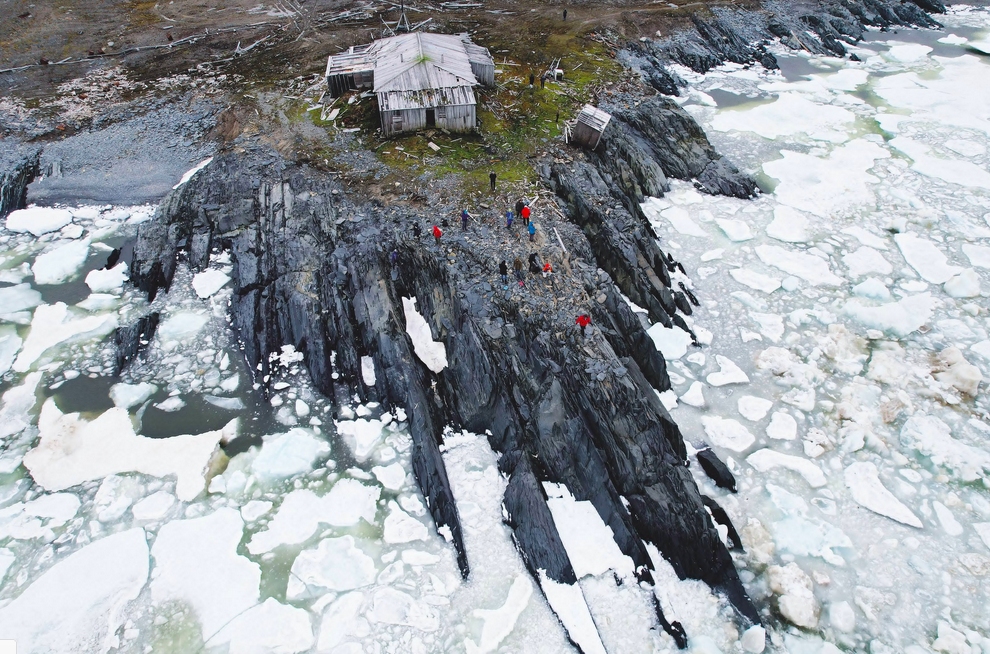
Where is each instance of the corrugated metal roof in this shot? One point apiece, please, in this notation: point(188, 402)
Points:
point(594, 117)
point(425, 98)
point(414, 62)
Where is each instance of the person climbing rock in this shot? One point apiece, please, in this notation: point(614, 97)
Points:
point(464, 220)
point(583, 321)
point(508, 219)
point(437, 234)
point(503, 271)
point(417, 230)
point(492, 177)
point(532, 232)
point(518, 268)
point(525, 214)
point(534, 268)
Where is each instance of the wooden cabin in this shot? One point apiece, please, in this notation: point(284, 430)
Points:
point(591, 122)
point(421, 80)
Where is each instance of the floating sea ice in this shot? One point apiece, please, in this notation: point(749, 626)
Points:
point(965, 284)
point(957, 372)
point(568, 602)
point(208, 282)
point(908, 52)
point(104, 281)
point(978, 255)
point(10, 344)
point(771, 325)
point(391, 606)
point(192, 171)
point(964, 173)
point(153, 507)
point(368, 370)
point(588, 541)
point(933, 438)
point(826, 186)
point(17, 403)
point(430, 352)
point(225, 403)
point(182, 325)
point(60, 264)
point(196, 562)
point(336, 564)
point(983, 531)
point(754, 639)
point(866, 237)
point(672, 343)
point(766, 459)
point(872, 288)
point(78, 604)
point(866, 489)
point(808, 267)
point(966, 148)
point(38, 220)
point(948, 521)
point(268, 628)
point(361, 436)
point(392, 477)
point(736, 230)
point(7, 559)
point(695, 395)
point(790, 114)
point(866, 260)
point(755, 280)
point(728, 373)
point(37, 518)
point(400, 527)
point(49, 328)
point(796, 599)
point(953, 39)
point(173, 403)
point(788, 225)
point(681, 221)
point(782, 426)
point(127, 395)
point(292, 453)
point(98, 302)
point(753, 408)
point(899, 318)
point(950, 641)
point(255, 509)
point(343, 619)
point(922, 255)
point(498, 623)
point(727, 433)
point(18, 298)
point(302, 512)
point(72, 450)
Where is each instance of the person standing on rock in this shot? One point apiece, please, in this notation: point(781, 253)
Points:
point(464, 220)
point(508, 219)
point(583, 321)
point(524, 212)
point(518, 268)
point(437, 234)
point(532, 79)
point(519, 207)
point(565, 14)
point(503, 271)
point(532, 232)
point(394, 258)
point(534, 268)
point(417, 230)
point(492, 177)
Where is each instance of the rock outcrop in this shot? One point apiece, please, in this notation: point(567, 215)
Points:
point(18, 168)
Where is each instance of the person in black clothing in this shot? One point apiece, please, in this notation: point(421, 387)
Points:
point(503, 270)
point(534, 268)
point(417, 230)
point(519, 207)
point(532, 79)
point(491, 178)
point(565, 14)
point(543, 80)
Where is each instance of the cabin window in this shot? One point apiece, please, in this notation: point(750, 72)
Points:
point(396, 121)
point(442, 113)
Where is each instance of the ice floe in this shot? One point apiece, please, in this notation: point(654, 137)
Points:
point(291, 453)
point(60, 264)
point(727, 433)
point(208, 282)
point(38, 220)
point(73, 450)
point(589, 542)
point(336, 564)
point(51, 326)
point(865, 487)
point(766, 459)
point(922, 255)
point(104, 281)
point(672, 342)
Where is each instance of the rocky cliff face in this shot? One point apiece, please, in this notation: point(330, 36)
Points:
point(18, 168)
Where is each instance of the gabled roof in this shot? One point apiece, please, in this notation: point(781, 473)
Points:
point(414, 62)
point(594, 118)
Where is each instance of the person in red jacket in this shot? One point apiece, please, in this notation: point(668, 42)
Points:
point(525, 215)
point(583, 321)
point(437, 234)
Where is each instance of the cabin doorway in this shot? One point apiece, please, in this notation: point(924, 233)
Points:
point(431, 118)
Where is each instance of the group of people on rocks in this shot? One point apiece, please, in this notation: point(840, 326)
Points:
point(517, 267)
point(521, 209)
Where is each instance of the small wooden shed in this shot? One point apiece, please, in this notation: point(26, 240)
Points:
point(420, 80)
point(591, 122)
